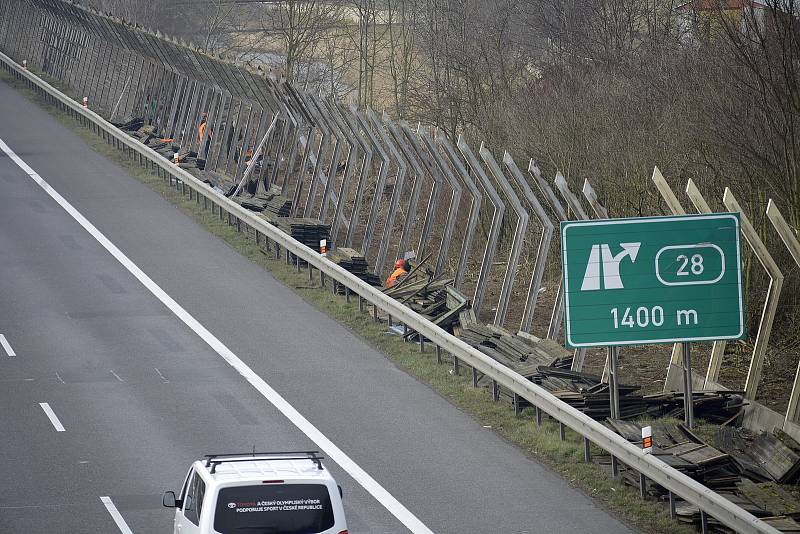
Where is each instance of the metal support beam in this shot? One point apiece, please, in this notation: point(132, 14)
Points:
point(789, 239)
point(773, 294)
point(517, 241)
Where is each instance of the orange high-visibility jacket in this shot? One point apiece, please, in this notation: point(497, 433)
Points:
point(392, 280)
point(200, 131)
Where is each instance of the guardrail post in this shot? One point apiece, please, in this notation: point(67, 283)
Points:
point(438, 354)
point(421, 342)
point(587, 450)
point(346, 293)
point(456, 365)
point(703, 522)
point(375, 313)
point(360, 303)
point(642, 485)
point(614, 466)
point(517, 407)
point(672, 514)
point(495, 391)
point(538, 412)
point(474, 377)
point(562, 434)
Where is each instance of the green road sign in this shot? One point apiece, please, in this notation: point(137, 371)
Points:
point(652, 280)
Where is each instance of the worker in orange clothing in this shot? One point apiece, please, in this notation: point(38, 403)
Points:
point(202, 128)
point(401, 268)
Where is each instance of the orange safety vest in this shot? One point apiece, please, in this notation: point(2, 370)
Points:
point(392, 280)
point(200, 131)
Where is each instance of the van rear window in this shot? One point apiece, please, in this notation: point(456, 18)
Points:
point(268, 509)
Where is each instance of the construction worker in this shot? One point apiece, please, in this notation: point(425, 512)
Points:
point(401, 268)
point(202, 128)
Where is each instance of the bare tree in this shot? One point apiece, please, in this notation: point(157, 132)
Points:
point(301, 26)
point(369, 45)
point(754, 111)
point(403, 19)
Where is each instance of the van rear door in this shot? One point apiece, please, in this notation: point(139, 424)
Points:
point(300, 508)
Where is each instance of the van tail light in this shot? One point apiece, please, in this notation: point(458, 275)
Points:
point(272, 481)
point(343, 532)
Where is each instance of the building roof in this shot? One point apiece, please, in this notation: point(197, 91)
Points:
point(711, 5)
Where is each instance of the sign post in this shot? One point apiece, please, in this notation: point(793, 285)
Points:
point(652, 280)
point(688, 395)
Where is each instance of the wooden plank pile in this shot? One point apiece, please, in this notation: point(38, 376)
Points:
point(148, 135)
point(715, 406)
point(718, 469)
point(272, 203)
point(682, 449)
point(308, 231)
point(352, 261)
point(427, 295)
point(132, 125)
point(224, 185)
point(587, 393)
point(519, 351)
point(765, 457)
point(277, 204)
point(430, 296)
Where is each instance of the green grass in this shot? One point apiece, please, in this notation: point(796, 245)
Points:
point(542, 443)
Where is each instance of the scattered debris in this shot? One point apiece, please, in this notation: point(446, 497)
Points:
point(744, 467)
point(762, 457)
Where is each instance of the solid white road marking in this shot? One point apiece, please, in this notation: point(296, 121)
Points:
point(116, 516)
point(60, 379)
point(52, 416)
point(386, 499)
point(6, 346)
point(116, 376)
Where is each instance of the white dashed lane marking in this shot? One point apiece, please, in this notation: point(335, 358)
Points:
point(6, 346)
point(116, 516)
point(52, 416)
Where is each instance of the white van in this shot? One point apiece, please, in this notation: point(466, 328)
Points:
point(258, 493)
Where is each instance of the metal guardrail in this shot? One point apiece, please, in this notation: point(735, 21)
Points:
point(709, 502)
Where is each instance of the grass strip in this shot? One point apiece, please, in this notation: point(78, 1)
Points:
point(542, 443)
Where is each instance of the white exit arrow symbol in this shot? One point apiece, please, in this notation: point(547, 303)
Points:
point(610, 263)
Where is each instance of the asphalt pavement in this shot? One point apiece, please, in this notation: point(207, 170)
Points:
point(139, 395)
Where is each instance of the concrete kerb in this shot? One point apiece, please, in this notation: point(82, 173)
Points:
point(628, 453)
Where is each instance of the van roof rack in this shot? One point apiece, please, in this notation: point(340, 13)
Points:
point(213, 460)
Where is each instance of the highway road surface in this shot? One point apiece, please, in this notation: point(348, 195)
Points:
point(133, 342)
